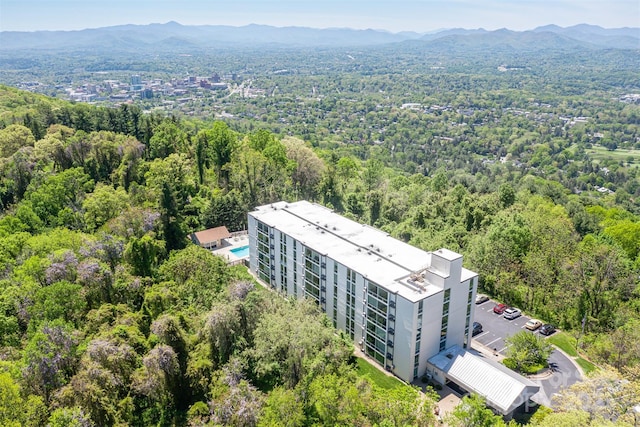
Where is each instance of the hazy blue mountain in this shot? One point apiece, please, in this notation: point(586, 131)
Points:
point(155, 35)
point(453, 32)
point(174, 36)
point(579, 35)
point(505, 40)
point(623, 38)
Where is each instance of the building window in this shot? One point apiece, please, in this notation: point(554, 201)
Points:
point(377, 321)
point(312, 274)
point(295, 251)
point(283, 285)
point(351, 304)
point(445, 319)
point(263, 253)
point(416, 365)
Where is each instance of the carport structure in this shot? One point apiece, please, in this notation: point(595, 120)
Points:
point(504, 390)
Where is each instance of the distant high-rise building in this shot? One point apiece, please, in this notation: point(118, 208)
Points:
point(136, 80)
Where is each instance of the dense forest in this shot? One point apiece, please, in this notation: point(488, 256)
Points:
point(110, 316)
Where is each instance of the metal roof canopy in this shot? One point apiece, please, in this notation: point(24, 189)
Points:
point(503, 389)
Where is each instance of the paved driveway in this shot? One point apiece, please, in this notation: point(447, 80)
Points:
point(495, 328)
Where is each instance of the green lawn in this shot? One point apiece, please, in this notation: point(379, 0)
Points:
point(586, 365)
point(567, 343)
point(601, 153)
point(564, 342)
point(366, 369)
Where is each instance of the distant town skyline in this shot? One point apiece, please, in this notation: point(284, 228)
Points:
point(395, 16)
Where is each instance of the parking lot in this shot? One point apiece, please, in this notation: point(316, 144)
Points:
point(495, 328)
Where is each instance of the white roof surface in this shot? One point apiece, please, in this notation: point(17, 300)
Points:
point(369, 251)
point(504, 389)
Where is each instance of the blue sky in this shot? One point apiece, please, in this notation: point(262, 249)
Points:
point(399, 15)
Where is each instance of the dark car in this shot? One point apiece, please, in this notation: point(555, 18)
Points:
point(500, 308)
point(477, 328)
point(547, 329)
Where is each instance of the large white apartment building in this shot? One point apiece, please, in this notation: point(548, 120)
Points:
point(400, 304)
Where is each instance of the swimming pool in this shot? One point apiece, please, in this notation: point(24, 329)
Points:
point(241, 252)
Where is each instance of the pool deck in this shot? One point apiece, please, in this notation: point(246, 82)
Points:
point(234, 242)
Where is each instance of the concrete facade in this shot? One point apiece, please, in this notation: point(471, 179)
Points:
point(401, 305)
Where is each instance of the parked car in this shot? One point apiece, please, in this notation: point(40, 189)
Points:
point(512, 313)
point(500, 308)
point(547, 329)
point(481, 298)
point(533, 324)
point(477, 328)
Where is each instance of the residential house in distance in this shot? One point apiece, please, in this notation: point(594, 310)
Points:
point(401, 305)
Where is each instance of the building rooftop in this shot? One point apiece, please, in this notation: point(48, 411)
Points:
point(504, 389)
point(397, 266)
point(212, 235)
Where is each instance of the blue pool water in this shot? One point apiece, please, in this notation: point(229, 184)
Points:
point(241, 252)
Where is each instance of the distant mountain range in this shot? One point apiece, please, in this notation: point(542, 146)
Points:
point(174, 36)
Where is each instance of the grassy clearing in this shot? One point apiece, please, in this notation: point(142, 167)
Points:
point(564, 342)
point(567, 343)
point(601, 153)
point(366, 369)
point(586, 365)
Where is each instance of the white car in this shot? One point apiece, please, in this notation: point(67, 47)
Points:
point(512, 313)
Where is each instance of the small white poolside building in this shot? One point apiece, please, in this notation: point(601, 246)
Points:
point(211, 238)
